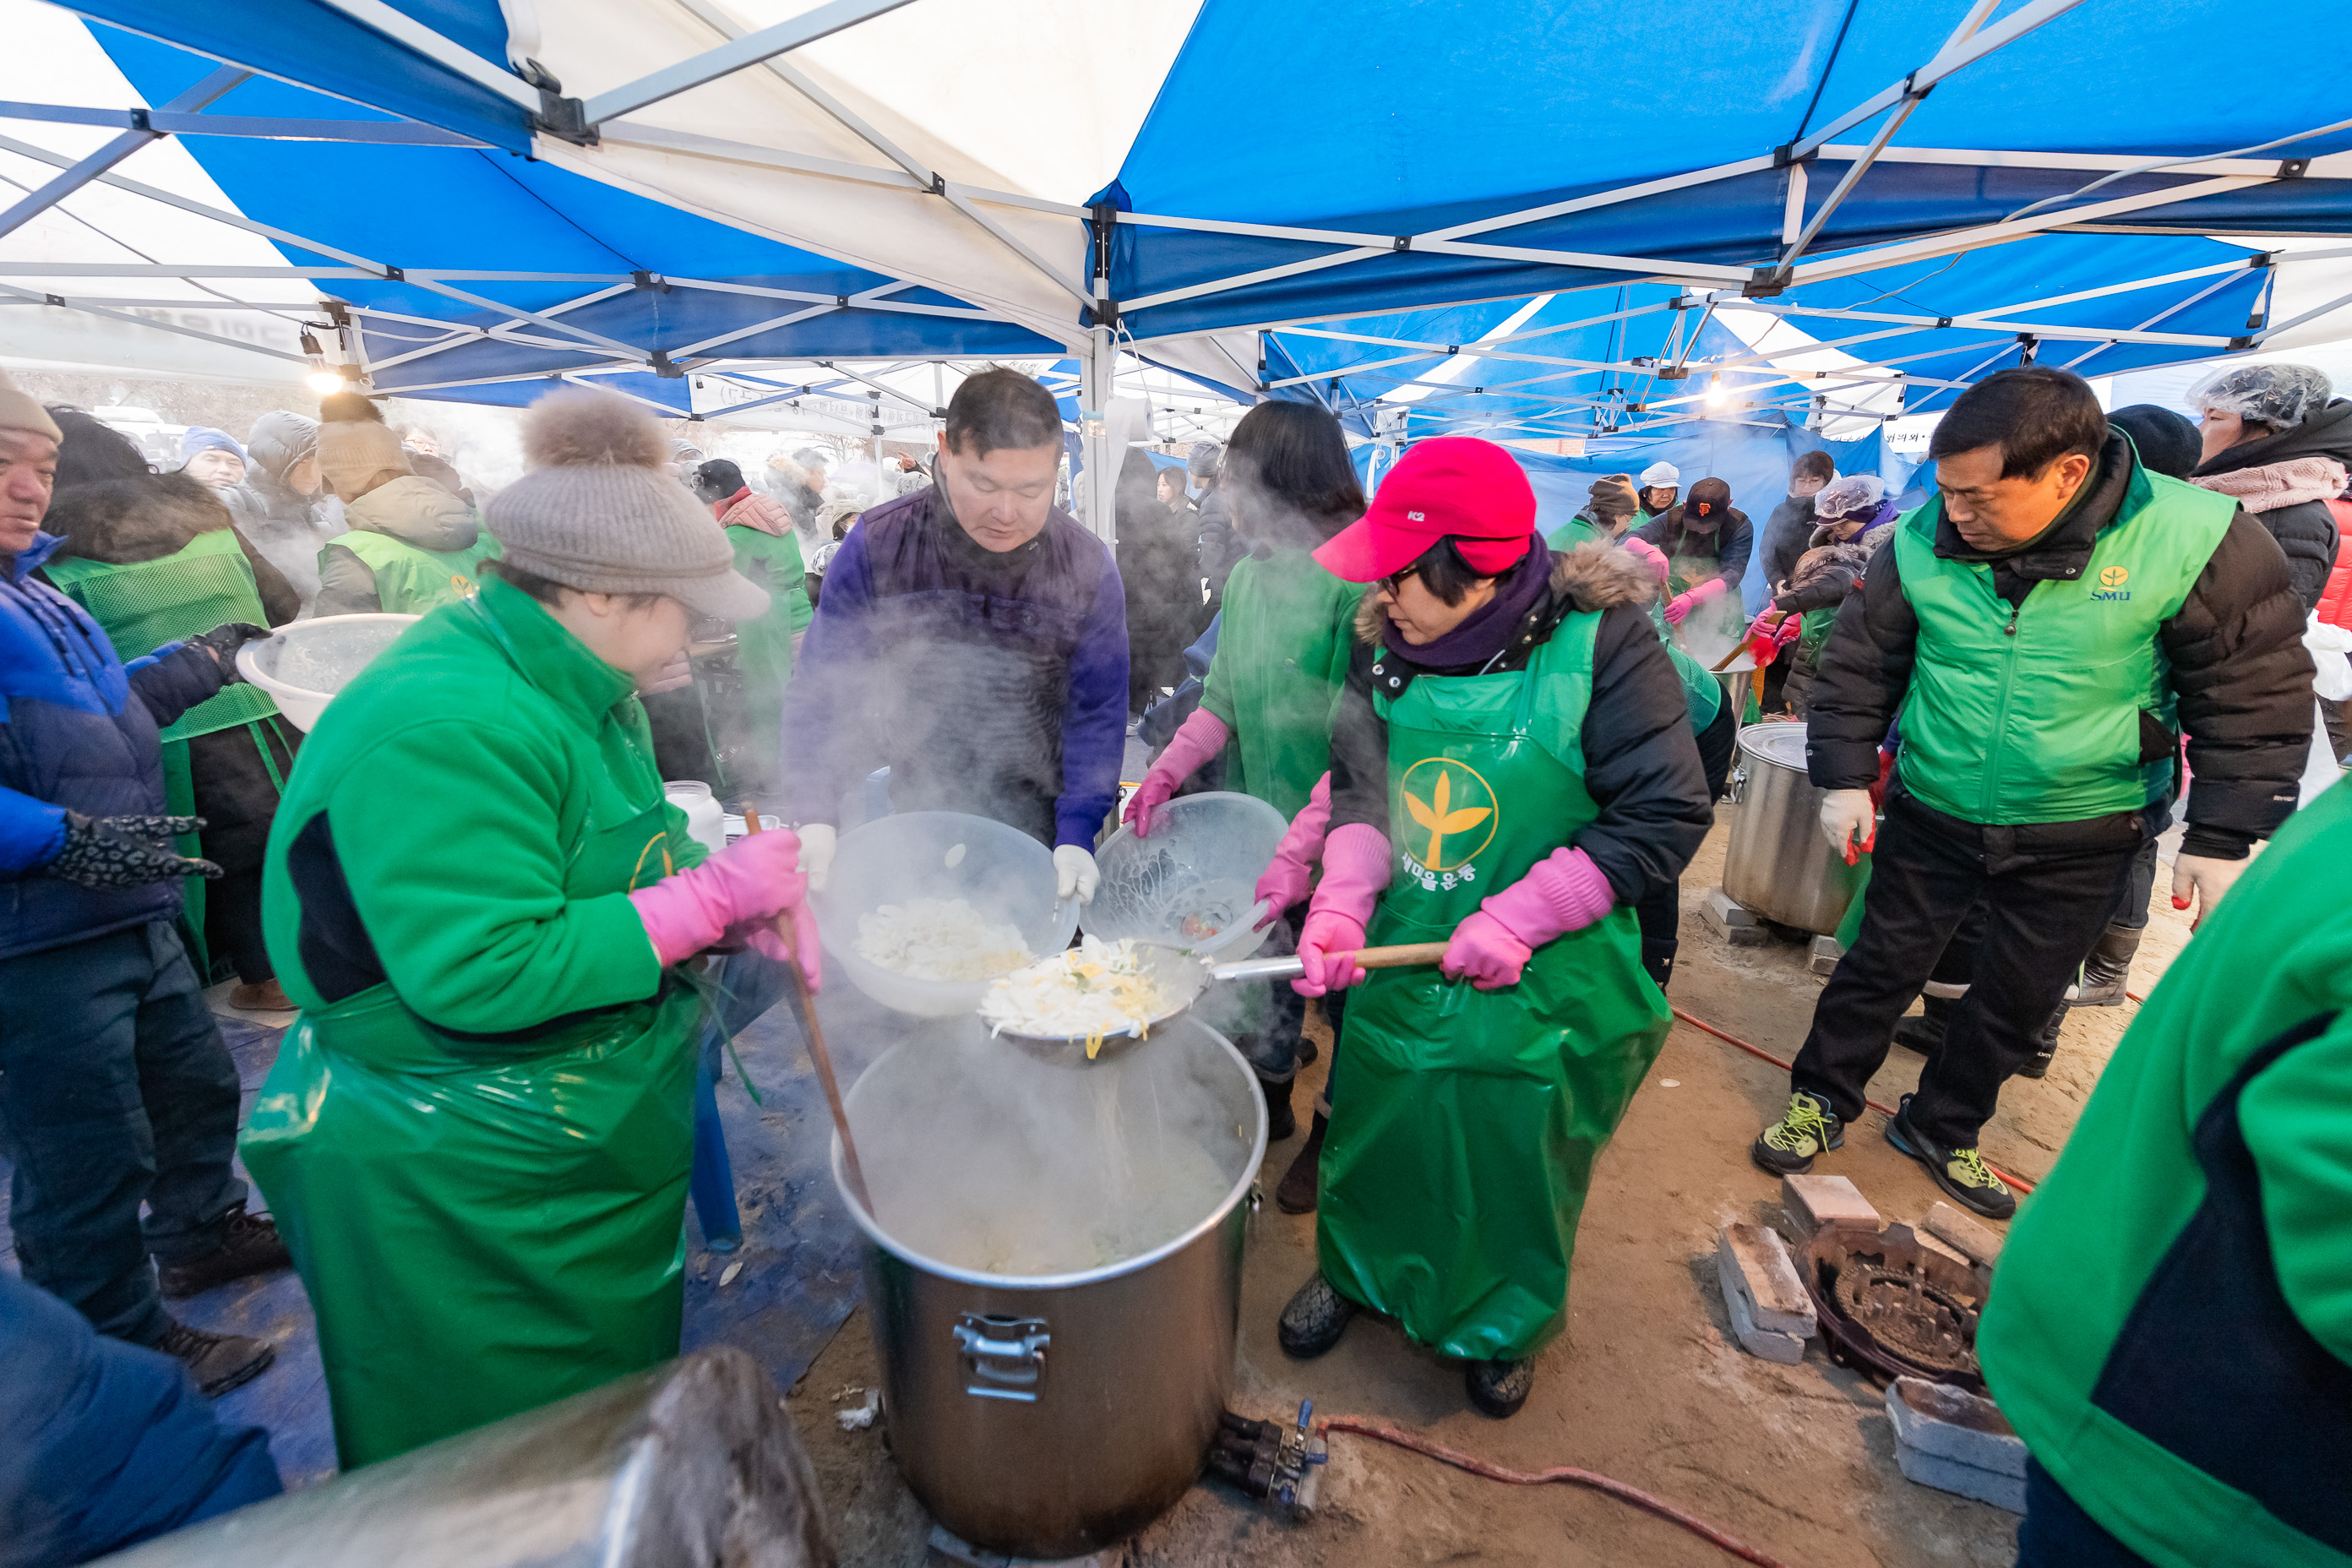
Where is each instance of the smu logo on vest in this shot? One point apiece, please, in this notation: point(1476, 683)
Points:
point(1454, 816)
point(2111, 583)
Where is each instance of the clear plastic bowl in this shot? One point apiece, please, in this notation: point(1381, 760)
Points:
point(1192, 883)
point(1002, 872)
point(303, 664)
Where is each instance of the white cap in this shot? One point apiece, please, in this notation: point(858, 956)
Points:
point(1662, 476)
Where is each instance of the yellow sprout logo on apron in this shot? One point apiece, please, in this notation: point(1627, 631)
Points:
point(1454, 817)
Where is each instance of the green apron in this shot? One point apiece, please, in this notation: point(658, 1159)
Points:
point(142, 605)
point(487, 1225)
point(410, 580)
point(1451, 1186)
point(1702, 692)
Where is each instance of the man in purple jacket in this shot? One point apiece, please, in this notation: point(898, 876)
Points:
point(973, 637)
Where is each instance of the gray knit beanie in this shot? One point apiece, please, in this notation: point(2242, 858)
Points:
point(601, 512)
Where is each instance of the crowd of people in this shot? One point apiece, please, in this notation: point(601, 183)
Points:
point(513, 966)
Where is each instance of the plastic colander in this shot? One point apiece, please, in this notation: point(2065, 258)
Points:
point(1192, 883)
point(1000, 871)
point(321, 656)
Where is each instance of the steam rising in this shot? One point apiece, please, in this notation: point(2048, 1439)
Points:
point(982, 1156)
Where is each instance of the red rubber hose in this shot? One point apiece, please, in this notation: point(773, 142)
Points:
point(1567, 1474)
point(2019, 1182)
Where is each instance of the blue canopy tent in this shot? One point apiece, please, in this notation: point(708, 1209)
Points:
point(641, 187)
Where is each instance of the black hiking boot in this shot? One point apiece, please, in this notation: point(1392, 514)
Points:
point(1295, 1194)
point(1315, 1319)
point(1499, 1387)
point(249, 1245)
point(217, 1362)
point(1787, 1147)
point(1925, 1033)
point(1961, 1172)
point(1281, 1122)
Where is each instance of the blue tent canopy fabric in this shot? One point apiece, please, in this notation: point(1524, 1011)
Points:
point(1411, 171)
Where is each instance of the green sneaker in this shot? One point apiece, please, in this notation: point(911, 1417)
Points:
point(1961, 1172)
point(1787, 1147)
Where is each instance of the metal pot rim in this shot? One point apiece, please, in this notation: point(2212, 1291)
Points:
point(1216, 1216)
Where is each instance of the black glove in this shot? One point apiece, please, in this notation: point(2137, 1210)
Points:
point(222, 642)
point(125, 851)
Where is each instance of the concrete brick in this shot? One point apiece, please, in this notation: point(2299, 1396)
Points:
point(1951, 1476)
point(1927, 1243)
point(949, 1550)
point(1948, 1423)
point(1974, 1240)
point(1822, 957)
point(1813, 1202)
point(1731, 922)
point(1786, 1349)
point(1754, 1262)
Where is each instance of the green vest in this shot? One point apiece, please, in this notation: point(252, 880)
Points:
point(410, 580)
point(2171, 1323)
point(1281, 661)
point(144, 605)
point(2032, 715)
point(1702, 692)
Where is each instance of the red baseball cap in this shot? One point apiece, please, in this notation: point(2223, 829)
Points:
point(1449, 486)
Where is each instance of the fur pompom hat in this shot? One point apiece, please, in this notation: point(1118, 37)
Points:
point(600, 511)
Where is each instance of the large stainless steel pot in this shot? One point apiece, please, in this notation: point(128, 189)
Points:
point(1777, 864)
point(1049, 1415)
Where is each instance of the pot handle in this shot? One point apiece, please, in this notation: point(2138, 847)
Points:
point(1734, 788)
point(1003, 1358)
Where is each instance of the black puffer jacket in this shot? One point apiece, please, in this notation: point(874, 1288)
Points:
point(2305, 527)
point(1641, 763)
point(1730, 542)
point(2235, 648)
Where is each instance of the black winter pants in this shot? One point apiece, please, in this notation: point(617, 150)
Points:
point(2047, 890)
point(1661, 914)
point(115, 1090)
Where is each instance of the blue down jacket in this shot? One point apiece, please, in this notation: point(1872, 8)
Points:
point(79, 731)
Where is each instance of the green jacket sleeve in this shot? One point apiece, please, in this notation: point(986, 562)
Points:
point(2297, 1120)
point(450, 840)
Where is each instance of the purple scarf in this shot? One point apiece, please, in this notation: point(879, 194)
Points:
point(1482, 637)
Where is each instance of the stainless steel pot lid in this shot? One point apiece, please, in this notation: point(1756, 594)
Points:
point(1784, 743)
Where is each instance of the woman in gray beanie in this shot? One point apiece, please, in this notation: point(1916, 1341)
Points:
point(478, 1138)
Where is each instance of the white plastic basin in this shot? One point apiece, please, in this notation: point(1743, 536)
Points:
point(303, 664)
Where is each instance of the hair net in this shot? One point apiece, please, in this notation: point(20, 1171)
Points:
point(2276, 395)
point(1853, 493)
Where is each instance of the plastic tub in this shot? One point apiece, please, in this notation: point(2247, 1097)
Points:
point(1001, 871)
point(1192, 883)
point(322, 656)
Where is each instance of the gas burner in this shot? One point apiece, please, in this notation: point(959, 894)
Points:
point(1890, 1307)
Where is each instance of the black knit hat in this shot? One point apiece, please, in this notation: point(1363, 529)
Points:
point(2167, 442)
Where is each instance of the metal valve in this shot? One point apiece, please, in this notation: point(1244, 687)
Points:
point(1268, 1460)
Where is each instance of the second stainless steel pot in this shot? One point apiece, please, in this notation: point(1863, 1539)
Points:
point(1779, 864)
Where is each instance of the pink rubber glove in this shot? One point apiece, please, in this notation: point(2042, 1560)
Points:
point(1487, 951)
point(1357, 863)
point(739, 891)
point(1292, 873)
point(1564, 891)
point(1649, 553)
point(1682, 604)
point(1770, 631)
point(1202, 736)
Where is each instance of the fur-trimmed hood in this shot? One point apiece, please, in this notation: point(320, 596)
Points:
point(1592, 576)
point(123, 521)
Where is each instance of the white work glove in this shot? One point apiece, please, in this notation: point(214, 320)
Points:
point(1850, 824)
point(2205, 877)
point(1074, 871)
point(816, 853)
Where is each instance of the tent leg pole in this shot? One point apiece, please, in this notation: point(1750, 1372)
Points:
point(1096, 387)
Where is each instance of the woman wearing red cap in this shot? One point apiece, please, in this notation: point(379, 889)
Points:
point(1512, 770)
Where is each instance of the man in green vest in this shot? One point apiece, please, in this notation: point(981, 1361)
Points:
point(413, 545)
point(2172, 1332)
point(2044, 631)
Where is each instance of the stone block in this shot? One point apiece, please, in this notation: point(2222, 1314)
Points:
point(1813, 1202)
point(1732, 922)
point(1951, 1476)
point(1822, 957)
point(1786, 1349)
point(1974, 1240)
point(1754, 1262)
point(947, 1550)
point(1948, 1423)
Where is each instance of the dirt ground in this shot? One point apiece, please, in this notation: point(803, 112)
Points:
point(1646, 1385)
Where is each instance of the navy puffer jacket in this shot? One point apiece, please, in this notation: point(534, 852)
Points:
point(78, 732)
